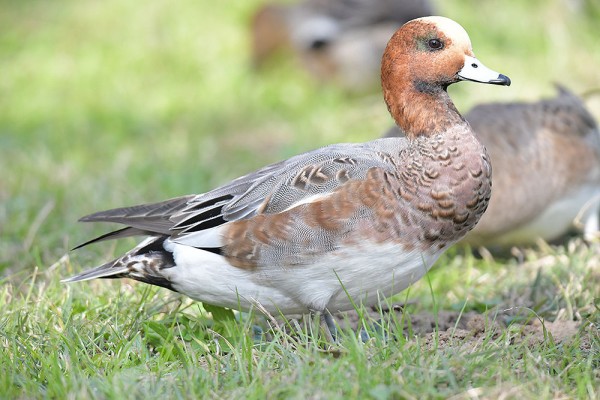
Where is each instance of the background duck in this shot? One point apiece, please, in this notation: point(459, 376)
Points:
point(339, 40)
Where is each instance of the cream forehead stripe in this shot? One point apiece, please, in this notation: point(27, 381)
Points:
point(450, 28)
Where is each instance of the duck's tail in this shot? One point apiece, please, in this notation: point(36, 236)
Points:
point(144, 263)
point(112, 269)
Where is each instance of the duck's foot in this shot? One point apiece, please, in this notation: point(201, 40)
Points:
point(375, 329)
point(328, 327)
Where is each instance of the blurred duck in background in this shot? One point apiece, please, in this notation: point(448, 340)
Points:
point(546, 170)
point(335, 40)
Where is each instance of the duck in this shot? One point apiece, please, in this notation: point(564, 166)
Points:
point(546, 157)
point(339, 226)
point(339, 41)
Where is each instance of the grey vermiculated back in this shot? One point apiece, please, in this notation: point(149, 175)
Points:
point(244, 196)
point(328, 161)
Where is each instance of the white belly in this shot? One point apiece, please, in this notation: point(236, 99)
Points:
point(557, 218)
point(363, 274)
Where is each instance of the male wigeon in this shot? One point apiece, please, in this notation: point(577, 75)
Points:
point(345, 224)
point(339, 40)
point(546, 158)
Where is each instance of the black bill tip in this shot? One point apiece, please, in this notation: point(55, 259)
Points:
point(501, 80)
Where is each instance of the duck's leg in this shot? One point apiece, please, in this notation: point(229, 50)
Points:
point(328, 326)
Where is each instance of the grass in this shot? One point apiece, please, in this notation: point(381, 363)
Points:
point(112, 103)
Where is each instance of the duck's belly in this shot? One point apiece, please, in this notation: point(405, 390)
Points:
point(361, 275)
point(557, 218)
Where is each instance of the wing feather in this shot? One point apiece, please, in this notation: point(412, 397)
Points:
point(272, 189)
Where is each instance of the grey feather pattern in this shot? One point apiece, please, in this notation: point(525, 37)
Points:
point(271, 189)
point(146, 217)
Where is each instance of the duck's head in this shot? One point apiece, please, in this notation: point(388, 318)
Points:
point(434, 51)
point(424, 57)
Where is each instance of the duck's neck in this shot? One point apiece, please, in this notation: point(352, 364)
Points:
point(422, 109)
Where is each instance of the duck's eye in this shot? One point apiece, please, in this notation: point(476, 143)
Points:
point(319, 44)
point(435, 44)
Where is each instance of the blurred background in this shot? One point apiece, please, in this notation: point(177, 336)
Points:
point(112, 103)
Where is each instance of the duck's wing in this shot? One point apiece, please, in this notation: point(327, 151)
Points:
point(272, 189)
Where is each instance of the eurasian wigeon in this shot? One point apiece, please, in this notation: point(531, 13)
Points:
point(337, 40)
point(546, 158)
point(345, 224)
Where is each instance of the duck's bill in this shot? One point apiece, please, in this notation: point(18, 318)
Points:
point(475, 71)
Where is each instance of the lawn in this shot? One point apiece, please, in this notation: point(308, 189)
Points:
point(112, 103)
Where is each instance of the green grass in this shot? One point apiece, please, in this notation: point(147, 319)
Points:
point(104, 104)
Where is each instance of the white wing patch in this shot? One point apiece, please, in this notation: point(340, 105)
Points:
point(207, 238)
point(310, 199)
